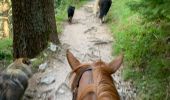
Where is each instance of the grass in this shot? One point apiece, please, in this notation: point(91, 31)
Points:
point(5, 52)
point(6, 49)
point(146, 50)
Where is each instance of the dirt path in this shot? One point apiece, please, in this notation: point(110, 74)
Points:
point(88, 40)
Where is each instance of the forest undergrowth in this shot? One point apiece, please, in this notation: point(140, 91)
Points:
point(141, 31)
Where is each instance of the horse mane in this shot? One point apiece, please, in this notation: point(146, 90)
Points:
point(104, 84)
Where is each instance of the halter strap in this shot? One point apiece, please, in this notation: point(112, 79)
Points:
point(79, 73)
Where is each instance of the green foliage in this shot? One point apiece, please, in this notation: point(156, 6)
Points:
point(5, 52)
point(5, 49)
point(152, 9)
point(142, 36)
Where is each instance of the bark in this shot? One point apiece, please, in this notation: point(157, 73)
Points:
point(49, 14)
point(29, 28)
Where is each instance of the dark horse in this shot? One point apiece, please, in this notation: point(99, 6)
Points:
point(70, 12)
point(14, 80)
point(93, 81)
point(102, 7)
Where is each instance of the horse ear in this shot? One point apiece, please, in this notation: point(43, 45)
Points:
point(73, 61)
point(26, 61)
point(116, 63)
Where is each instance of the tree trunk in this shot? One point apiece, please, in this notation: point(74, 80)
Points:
point(30, 28)
point(49, 14)
point(5, 10)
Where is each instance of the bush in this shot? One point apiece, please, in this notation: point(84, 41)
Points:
point(5, 52)
point(142, 34)
point(152, 9)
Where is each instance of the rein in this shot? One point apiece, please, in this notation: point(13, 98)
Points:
point(79, 72)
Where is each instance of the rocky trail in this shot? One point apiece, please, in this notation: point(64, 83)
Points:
point(88, 40)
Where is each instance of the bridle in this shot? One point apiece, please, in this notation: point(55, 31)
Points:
point(90, 88)
point(75, 85)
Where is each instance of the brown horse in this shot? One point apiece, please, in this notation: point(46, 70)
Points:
point(93, 81)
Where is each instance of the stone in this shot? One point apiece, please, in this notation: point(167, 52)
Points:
point(47, 80)
point(53, 47)
point(43, 66)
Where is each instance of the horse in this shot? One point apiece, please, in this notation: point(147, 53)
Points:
point(93, 81)
point(14, 80)
point(70, 13)
point(102, 7)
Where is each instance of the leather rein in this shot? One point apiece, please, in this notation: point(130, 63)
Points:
point(79, 72)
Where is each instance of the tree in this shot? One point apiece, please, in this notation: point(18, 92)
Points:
point(33, 21)
point(49, 15)
point(5, 19)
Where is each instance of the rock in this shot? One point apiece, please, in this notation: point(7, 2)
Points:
point(47, 80)
point(45, 55)
point(64, 92)
point(90, 29)
point(43, 66)
point(100, 42)
point(53, 47)
point(63, 88)
point(34, 59)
